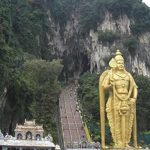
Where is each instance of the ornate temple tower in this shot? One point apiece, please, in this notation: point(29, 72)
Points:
point(29, 131)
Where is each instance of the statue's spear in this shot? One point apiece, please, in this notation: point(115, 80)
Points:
point(102, 108)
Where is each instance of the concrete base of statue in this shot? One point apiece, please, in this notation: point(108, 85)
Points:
point(131, 148)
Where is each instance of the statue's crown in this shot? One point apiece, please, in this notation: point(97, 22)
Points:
point(118, 55)
point(113, 61)
point(118, 52)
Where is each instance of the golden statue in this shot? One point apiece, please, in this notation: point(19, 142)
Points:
point(121, 104)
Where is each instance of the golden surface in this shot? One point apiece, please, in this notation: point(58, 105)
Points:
point(121, 104)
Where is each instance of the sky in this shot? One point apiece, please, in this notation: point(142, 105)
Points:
point(147, 2)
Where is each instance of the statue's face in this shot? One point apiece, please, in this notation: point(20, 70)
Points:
point(120, 64)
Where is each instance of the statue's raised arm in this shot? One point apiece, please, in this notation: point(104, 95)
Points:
point(121, 104)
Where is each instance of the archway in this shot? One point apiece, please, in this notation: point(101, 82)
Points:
point(28, 135)
point(19, 136)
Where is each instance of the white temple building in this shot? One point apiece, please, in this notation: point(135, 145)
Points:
point(27, 137)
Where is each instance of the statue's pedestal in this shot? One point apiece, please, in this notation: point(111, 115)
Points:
point(131, 148)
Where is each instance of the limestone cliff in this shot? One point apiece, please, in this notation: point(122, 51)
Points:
point(89, 53)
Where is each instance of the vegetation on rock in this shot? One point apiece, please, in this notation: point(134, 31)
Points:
point(107, 36)
point(131, 43)
point(93, 12)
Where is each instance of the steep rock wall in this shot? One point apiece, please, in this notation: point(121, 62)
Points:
point(89, 53)
point(138, 63)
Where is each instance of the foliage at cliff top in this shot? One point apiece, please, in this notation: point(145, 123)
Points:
point(92, 13)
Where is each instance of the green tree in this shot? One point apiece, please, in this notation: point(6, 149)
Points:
point(88, 95)
point(44, 78)
point(91, 13)
point(143, 102)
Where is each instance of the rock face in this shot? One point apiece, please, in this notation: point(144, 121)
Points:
point(83, 54)
point(138, 62)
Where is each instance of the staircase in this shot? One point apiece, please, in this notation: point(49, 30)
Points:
point(71, 122)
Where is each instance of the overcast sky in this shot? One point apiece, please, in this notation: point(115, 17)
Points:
point(147, 2)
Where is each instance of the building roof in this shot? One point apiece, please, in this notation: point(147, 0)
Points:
point(29, 125)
